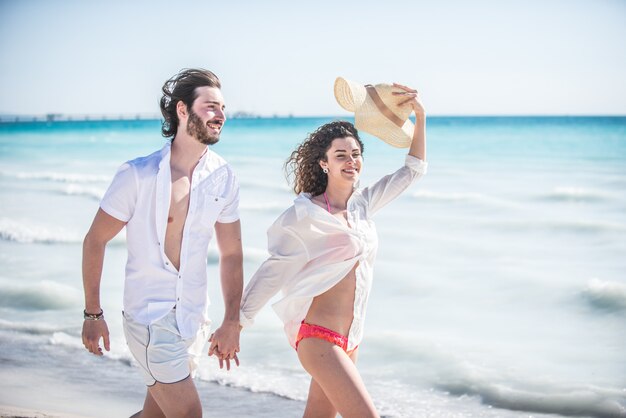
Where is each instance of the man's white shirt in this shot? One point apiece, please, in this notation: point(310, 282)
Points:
point(140, 195)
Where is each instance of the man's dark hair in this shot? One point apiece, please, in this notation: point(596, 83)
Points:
point(183, 86)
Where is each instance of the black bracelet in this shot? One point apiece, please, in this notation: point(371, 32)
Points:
point(93, 317)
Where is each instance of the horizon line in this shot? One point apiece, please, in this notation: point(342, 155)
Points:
point(61, 117)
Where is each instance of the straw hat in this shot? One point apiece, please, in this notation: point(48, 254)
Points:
point(376, 111)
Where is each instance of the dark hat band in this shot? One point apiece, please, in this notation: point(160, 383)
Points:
point(382, 106)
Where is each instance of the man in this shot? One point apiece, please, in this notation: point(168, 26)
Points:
point(171, 202)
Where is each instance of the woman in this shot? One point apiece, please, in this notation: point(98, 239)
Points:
point(322, 252)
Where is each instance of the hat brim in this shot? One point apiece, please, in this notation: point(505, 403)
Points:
point(348, 94)
point(368, 118)
point(377, 125)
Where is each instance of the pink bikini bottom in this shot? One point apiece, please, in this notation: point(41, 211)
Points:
point(316, 331)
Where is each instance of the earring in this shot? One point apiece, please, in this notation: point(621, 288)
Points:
point(325, 170)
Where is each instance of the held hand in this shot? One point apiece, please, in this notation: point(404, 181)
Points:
point(92, 332)
point(225, 343)
point(410, 97)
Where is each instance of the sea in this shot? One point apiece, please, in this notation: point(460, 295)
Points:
point(499, 287)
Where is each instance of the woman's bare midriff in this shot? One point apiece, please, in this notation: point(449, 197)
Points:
point(334, 309)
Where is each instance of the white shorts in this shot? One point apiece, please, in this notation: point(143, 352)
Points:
point(163, 355)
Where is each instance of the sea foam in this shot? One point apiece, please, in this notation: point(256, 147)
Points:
point(59, 177)
point(291, 384)
point(606, 295)
point(582, 226)
point(465, 197)
point(95, 193)
point(32, 328)
point(588, 401)
point(30, 232)
point(11, 230)
point(450, 373)
point(119, 349)
point(578, 194)
point(42, 295)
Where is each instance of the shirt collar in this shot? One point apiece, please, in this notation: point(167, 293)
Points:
point(204, 159)
point(166, 152)
point(304, 206)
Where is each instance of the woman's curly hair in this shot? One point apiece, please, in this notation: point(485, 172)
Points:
point(303, 164)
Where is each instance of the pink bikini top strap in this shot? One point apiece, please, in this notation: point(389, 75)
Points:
point(327, 203)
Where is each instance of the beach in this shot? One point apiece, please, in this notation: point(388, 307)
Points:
point(73, 385)
point(499, 287)
point(15, 412)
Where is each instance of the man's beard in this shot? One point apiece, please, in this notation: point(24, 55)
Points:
point(199, 130)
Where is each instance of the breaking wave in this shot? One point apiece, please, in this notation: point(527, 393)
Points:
point(606, 295)
point(59, 177)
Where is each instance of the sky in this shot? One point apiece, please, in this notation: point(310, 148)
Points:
point(533, 57)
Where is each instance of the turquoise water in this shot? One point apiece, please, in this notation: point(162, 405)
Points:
point(500, 286)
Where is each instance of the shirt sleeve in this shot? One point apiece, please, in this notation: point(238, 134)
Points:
point(230, 212)
point(121, 196)
point(288, 256)
point(391, 186)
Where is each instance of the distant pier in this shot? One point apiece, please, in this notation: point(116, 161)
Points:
point(60, 117)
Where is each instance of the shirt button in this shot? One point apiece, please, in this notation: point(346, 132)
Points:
point(216, 199)
point(167, 263)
